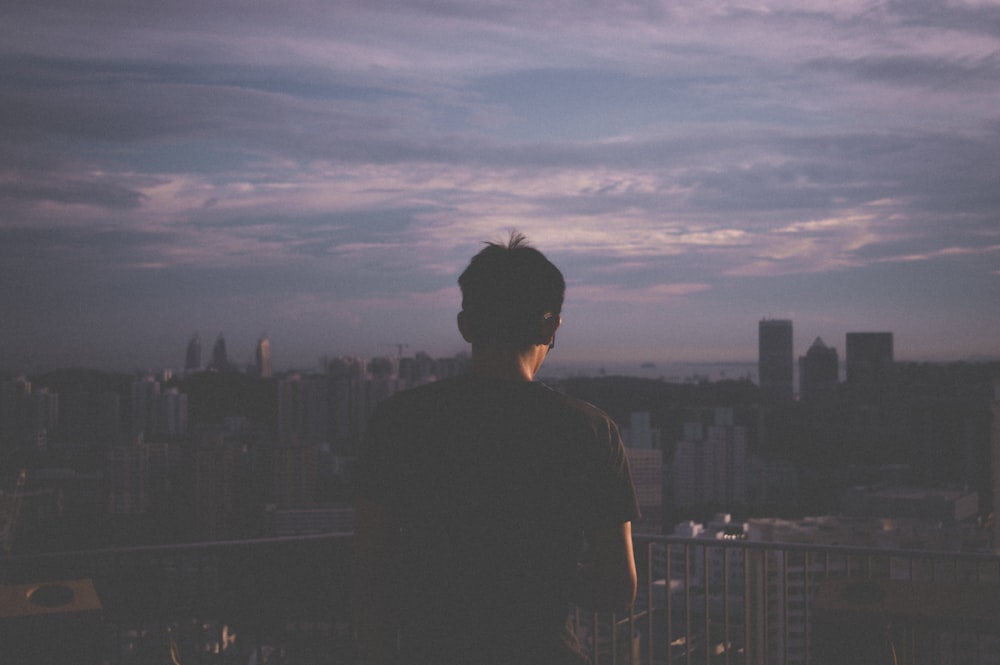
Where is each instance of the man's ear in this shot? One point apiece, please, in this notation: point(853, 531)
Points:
point(463, 326)
point(550, 324)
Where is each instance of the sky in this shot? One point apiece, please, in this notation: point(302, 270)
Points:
point(321, 172)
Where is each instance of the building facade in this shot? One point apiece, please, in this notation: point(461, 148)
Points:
point(775, 362)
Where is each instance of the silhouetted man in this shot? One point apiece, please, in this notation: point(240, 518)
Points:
point(488, 503)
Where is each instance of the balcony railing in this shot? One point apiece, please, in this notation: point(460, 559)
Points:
point(285, 600)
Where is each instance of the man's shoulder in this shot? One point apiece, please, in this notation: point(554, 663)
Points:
point(578, 407)
point(418, 397)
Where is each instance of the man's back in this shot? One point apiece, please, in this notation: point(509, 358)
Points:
point(490, 485)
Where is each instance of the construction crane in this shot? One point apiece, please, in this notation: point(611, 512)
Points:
point(399, 348)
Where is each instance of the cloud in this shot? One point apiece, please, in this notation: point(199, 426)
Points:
point(657, 293)
point(965, 74)
point(339, 161)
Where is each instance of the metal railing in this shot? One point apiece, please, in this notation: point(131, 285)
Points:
point(742, 603)
point(286, 600)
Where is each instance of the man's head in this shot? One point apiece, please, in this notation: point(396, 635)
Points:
point(511, 296)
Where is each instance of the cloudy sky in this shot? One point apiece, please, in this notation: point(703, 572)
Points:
point(322, 171)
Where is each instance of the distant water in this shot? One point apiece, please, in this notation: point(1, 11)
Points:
point(673, 372)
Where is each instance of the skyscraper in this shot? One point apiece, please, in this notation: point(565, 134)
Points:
point(220, 359)
point(775, 363)
point(263, 357)
point(192, 359)
point(709, 466)
point(819, 372)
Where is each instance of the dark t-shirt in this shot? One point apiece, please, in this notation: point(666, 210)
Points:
point(491, 485)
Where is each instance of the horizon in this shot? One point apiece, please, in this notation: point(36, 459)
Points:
point(652, 368)
point(322, 174)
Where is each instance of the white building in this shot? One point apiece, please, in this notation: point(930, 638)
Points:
point(710, 463)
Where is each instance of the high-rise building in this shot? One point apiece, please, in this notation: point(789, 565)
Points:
point(145, 392)
point(192, 359)
point(156, 413)
point(640, 433)
point(213, 475)
point(171, 414)
point(262, 358)
point(220, 359)
point(775, 362)
point(819, 372)
point(710, 463)
point(646, 465)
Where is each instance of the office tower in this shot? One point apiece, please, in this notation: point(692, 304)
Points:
point(819, 372)
point(192, 359)
point(775, 363)
point(220, 360)
point(263, 358)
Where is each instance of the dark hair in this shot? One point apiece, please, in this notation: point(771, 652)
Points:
point(506, 289)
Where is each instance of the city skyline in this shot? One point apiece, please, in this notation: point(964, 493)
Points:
point(322, 173)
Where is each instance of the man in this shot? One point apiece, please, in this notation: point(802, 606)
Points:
point(488, 503)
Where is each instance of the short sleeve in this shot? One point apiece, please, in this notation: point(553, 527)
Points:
point(616, 500)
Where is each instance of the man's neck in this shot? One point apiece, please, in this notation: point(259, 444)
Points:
point(504, 364)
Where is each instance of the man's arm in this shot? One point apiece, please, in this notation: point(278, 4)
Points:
point(375, 620)
point(609, 581)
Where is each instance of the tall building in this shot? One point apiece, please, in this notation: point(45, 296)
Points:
point(171, 414)
point(145, 392)
point(262, 358)
point(220, 359)
point(709, 465)
point(640, 433)
point(156, 413)
point(213, 478)
point(192, 359)
point(819, 372)
point(646, 465)
point(775, 362)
